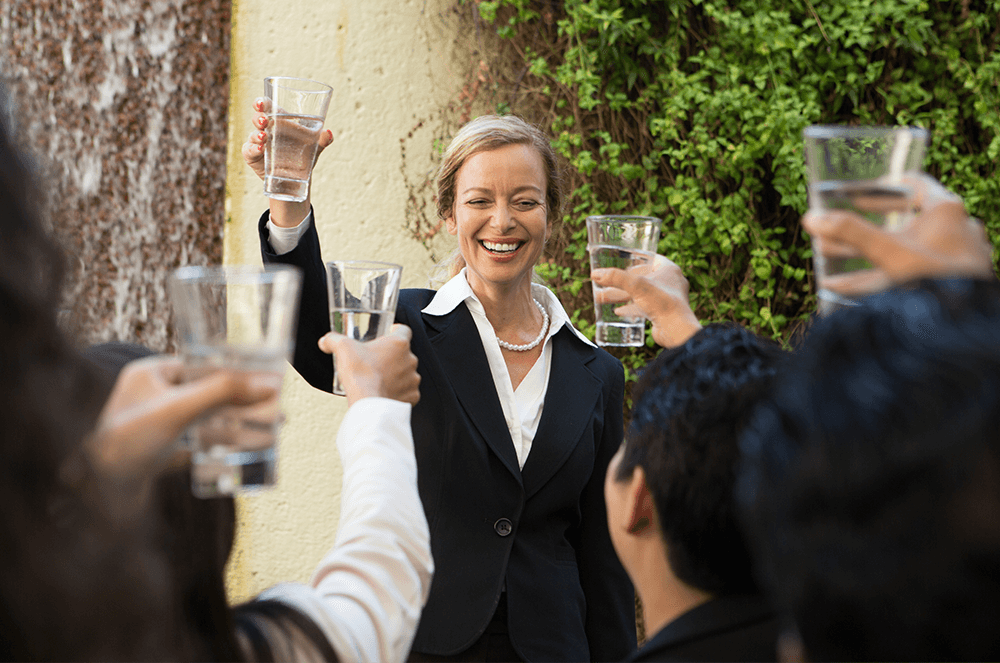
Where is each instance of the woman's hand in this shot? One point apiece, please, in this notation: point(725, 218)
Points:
point(384, 367)
point(149, 408)
point(136, 435)
point(942, 240)
point(253, 149)
point(659, 292)
point(283, 213)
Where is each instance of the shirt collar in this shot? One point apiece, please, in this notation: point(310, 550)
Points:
point(458, 290)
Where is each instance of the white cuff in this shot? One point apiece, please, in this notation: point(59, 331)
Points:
point(283, 240)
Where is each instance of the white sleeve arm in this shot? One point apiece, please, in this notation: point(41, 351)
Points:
point(283, 240)
point(368, 591)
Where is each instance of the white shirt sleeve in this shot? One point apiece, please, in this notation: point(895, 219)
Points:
point(367, 593)
point(283, 240)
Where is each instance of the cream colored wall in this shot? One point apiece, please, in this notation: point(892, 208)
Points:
point(392, 63)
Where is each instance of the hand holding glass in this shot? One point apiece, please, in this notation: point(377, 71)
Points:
point(869, 171)
point(625, 242)
point(296, 109)
point(362, 297)
point(239, 318)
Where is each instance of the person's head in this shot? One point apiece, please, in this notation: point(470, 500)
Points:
point(71, 586)
point(872, 483)
point(194, 536)
point(500, 179)
point(690, 406)
point(37, 361)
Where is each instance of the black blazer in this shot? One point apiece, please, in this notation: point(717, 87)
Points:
point(728, 628)
point(540, 533)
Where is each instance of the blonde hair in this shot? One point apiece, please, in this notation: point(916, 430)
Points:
point(490, 132)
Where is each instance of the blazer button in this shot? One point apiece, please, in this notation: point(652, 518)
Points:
point(503, 527)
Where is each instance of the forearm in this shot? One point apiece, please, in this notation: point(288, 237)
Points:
point(314, 314)
point(375, 581)
point(286, 214)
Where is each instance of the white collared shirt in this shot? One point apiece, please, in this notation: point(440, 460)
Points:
point(522, 408)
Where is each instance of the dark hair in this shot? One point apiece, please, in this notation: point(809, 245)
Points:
point(71, 585)
point(196, 537)
point(691, 404)
point(274, 631)
point(872, 484)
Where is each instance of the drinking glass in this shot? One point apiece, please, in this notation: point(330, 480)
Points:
point(625, 242)
point(870, 171)
point(239, 318)
point(362, 297)
point(296, 109)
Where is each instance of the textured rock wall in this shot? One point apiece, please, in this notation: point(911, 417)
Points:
point(124, 105)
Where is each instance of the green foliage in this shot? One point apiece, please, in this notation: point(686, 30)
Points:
point(693, 111)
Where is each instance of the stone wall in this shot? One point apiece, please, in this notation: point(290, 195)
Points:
point(124, 105)
point(134, 115)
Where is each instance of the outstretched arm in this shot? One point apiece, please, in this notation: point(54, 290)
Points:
point(148, 409)
point(368, 592)
point(286, 238)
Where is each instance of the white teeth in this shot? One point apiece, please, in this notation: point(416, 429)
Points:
point(493, 246)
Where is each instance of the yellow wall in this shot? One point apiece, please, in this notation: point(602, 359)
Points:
point(392, 63)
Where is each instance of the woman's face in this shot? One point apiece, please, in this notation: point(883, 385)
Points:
point(499, 215)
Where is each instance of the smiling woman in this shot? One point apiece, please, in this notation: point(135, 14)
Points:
point(511, 472)
point(499, 218)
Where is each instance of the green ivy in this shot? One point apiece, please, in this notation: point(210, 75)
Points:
point(693, 111)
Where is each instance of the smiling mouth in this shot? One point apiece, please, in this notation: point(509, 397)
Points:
point(501, 248)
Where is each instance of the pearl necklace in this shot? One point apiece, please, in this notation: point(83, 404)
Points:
point(538, 339)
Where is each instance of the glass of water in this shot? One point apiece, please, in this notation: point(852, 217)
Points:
point(238, 318)
point(624, 242)
point(362, 296)
point(296, 109)
point(871, 172)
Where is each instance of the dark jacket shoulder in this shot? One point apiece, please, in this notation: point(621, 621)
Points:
point(728, 628)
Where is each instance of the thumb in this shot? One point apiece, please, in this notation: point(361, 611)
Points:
point(611, 277)
point(330, 341)
point(325, 140)
point(401, 331)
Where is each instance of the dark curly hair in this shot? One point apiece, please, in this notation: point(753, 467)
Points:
point(872, 484)
point(691, 403)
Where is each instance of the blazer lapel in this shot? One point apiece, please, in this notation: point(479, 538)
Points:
point(570, 399)
point(464, 364)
